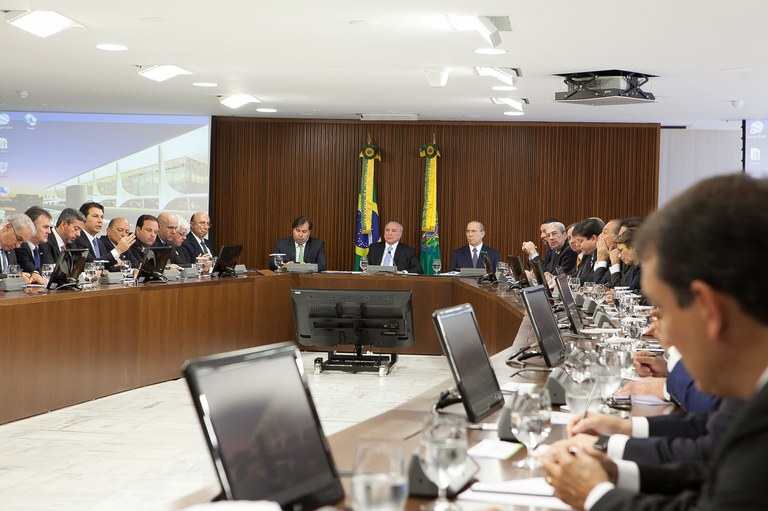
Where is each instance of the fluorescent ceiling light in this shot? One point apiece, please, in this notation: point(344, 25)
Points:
point(237, 100)
point(480, 24)
point(503, 88)
point(490, 51)
point(163, 73)
point(267, 110)
point(514, 112)
point(205, 84)
point(111, 47)
point(389, 117)
point(503, 74)
point(514, 103)
point(40, 23)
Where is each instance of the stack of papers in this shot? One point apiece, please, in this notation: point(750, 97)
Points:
point(533, 492)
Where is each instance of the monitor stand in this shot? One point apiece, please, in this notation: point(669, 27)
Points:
point(357, 362)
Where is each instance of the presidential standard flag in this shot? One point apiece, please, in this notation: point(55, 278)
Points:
point(367, 209)
point(430, 240)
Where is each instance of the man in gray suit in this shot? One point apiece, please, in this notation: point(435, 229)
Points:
point(719, 322)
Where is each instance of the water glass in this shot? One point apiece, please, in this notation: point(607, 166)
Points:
point(577, 396)
point(579, 359)
point(47, 270)
point(278, 260)
point(530, 420)
point(607, 374)
point(442, 455)
point(574, 283)
point(598, 294)
point(364, 264)
point(200, 263)
point(14, 271)
point(437, 266)
point(90, 272)
point(379, 478)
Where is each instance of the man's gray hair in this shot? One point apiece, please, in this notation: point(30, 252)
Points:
point(183, 225)
point(398, 224)
point(69, 215)
point(560, 227)
point(20, 221)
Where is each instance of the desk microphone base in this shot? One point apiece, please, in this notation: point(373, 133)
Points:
point(356, 362)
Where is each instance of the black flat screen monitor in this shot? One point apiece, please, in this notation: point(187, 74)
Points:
point(330, 317)
point(225, 263)
point(544, 325)
point(517, 270)
point(464, 348)
point(538, 272)
point(262, 428)
point(569, 304)
point(152, 267)
point(68, 268)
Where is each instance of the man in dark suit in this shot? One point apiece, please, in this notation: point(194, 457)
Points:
point(116, 244)
point(471, 255)
point(88, 238)
point(586, 233)
point(68, 227)
point(29, 255)
point(168, 236)
point(559, 253)
point(196, 242)
point(301, 247)
point(719, 322)
point(391, 252)
point(15, 230)
point(146, 234)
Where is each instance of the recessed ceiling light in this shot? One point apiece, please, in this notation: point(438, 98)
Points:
point(267, 110)
point(490, 51)
point(237, 100)
point(503, 74)
point(205, 84)
point(514, 112)
point(503, 87)
point(156, 19)
point(163, 73)
point(112, 47)
point(514, 103)
point(366, 23)
point(40, 23)
point(481, 24)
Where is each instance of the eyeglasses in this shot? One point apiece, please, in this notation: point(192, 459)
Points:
point(204, 224)
point(19, 239)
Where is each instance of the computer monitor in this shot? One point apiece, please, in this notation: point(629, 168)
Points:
point(569, 304)
point(544, 325)
point(538, 272)
point(225, 263)
point(262, 428)
point(517, 270)
point(68, 268)
point(152, 267)
point(464, 348)
point(333, 317)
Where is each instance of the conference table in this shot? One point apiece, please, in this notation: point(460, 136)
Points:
point(61, 348)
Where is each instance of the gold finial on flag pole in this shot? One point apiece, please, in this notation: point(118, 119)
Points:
point(369, 139)
point(434, 138)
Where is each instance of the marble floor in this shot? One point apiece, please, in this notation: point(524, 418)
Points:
point(144, 450)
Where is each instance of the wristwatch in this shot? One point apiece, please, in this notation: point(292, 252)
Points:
point(601, 444)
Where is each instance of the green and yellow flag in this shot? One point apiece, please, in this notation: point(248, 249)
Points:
point(367, 231)
point(430, 240)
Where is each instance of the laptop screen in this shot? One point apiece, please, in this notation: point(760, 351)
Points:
point(569, 304)
point(463, 346)
point(262, 427)
point(544, 325)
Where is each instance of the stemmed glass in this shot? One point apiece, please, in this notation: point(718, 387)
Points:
point(598, 294)
point(442, 454)
point(574, 283)
point(530, 419)
point(607, 373)
point(588, 288)
point(436, 266)
point(379, 480)
point(579, 359)
point(364, 264)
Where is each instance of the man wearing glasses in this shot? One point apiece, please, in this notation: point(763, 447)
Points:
point(196, 243)
point(471, 255)
point(15, 230)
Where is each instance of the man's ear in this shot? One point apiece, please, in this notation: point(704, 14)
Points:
point(711, 309)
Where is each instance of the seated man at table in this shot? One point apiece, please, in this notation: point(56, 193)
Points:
point(116, 244)
point(586, 233)
point(720, 325)
point(559, 253)
point(301, 247)
point(178, 254)
point(16, 230)
point(471, 255)
point(391, 252)
point(196, 242)
point(94, 221)
point(168, 236)
point(68, 227)
point(29, 255)
point(146, 234)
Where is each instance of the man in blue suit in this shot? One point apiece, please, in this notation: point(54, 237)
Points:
point(471, 255)
point(301, 247)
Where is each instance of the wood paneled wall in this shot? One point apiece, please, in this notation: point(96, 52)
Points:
point(507, 175)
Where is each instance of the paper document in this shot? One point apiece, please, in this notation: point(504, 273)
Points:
point(534, 492)
point(496, 449)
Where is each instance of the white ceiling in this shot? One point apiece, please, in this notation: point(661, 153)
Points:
point(304, 58)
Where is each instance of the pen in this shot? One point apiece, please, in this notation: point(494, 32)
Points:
point(590, 396)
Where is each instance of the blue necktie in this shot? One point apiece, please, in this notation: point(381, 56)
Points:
point(36, 254)
point(388, 257)
point(96, 250)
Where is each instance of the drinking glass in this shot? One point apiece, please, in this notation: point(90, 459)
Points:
point(530, 419)
point(278, 260)
point(379, 479)
point(577, 395)
point(442, 454)
point(47, 271)
point(90, 271)
point(607, 374)
point(127, 270)
point(200, 263)
point(436, 266)
point(502, 269)
point(598, 294)
point(574, 283)
point(14, 271)
point(588, 288)
point(364, 264)
point(212, 265)
point(579, 359)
